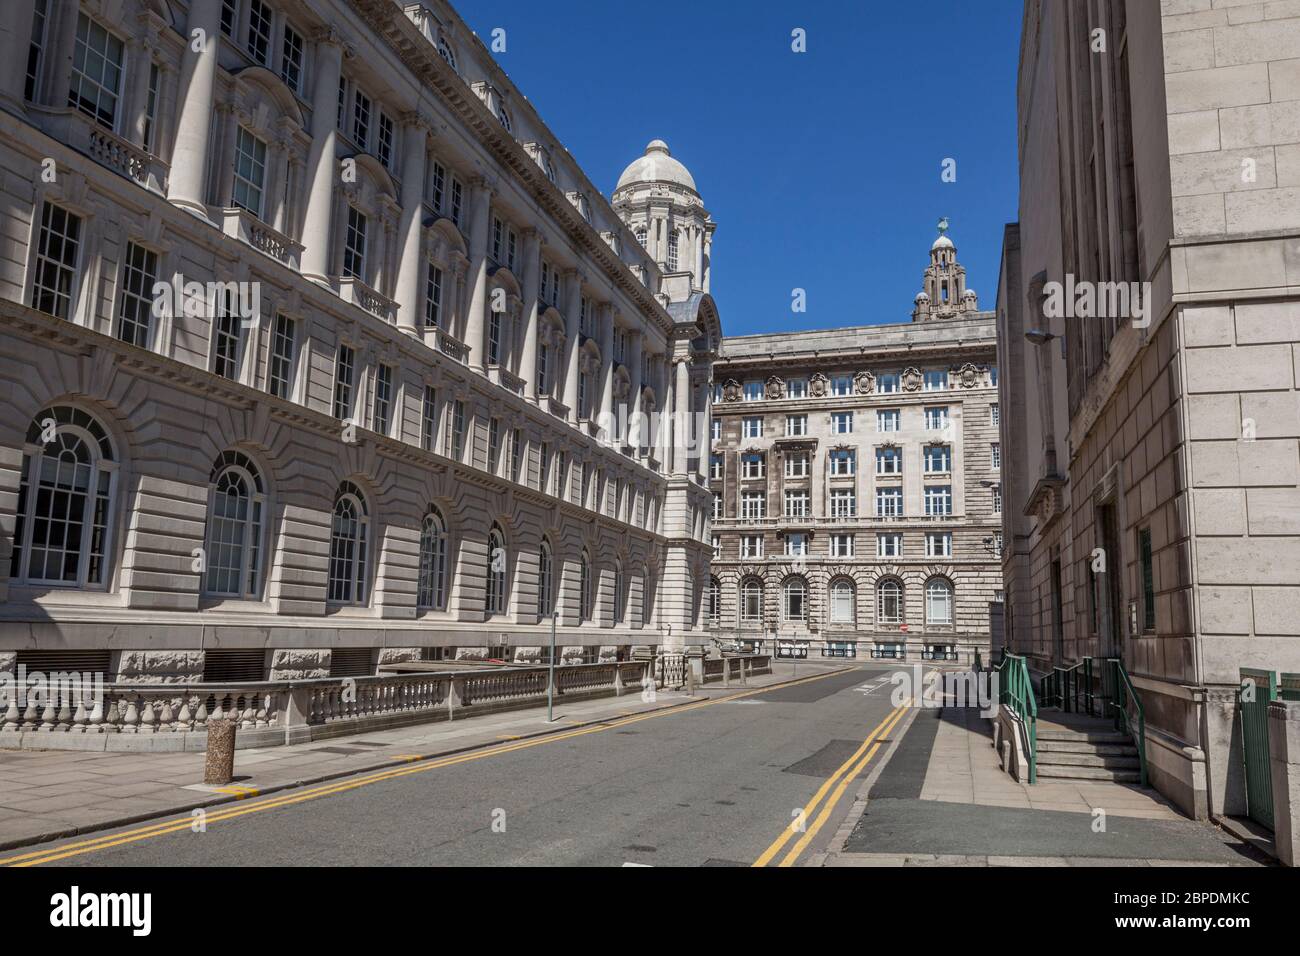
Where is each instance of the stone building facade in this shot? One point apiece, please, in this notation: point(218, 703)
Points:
point(856, 483)
point(411, 382)
point(1163, 438)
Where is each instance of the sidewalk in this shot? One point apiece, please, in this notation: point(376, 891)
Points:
point(942, 799)
point(51, 794)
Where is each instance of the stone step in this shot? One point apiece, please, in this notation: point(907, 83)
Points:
point(1083, 747)
point(1056, 759)
point(1088, 773)
point(1079, 736)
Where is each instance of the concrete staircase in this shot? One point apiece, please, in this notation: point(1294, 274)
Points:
point(1079, 751)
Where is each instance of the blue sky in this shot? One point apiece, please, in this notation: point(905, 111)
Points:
point(823, 168)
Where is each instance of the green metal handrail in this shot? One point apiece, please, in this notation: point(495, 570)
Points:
point(1070, 688)
point(1120, 694)
point(1016, 690)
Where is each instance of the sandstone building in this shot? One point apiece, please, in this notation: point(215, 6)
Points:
point(413, 384)
point(1164, 438)
point(856, 482)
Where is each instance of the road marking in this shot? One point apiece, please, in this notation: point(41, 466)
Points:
point(239, 793)
point(822, 817)
point(830, 782)
point(406, 758)
point(216, 815)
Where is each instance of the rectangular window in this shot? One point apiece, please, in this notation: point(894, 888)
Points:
point(889, 461)
point(938, 459)
point(796, 464)
point(259, 31)
point(887, 383)
point(385, 148)
point(753, 391)
point(283, 352)
point(842, 545)
point(227, 331)
point(457, 201)
point(354, 246)
point(995, 456)
point(135, 305)
point(751, 546)
point(433, 297)
point(361, 119)
point(994, 416)
point(516, 452)
point(844, 503)
point(343, 102)
point(796, 544)
point(888, 420)
point(842, 385)
point(344, 368)
point(494, 339)
point(229, 16)
point(456, 431)
point(752, 466)
point(796, 425)
point(938, 544)
point(889, 502)
point(543, 360)
point(936, 417)
point(250, 172)
point(752, 427)
point(796, 388)
point(717, 505)
point(753, 505)
point(151, 108)
point(96, 72)
point(842, 461)
point(936, 381)
point(429, 419)
point(291, 59)
point(381, 413)
point(889, 545)
point(796, 504)
point(1148, 580)
point(938, 500)
point(437, 186)
point(715, 467)
point(494, 445)
point(997, 499)
point(842, 423)
point(35, 54)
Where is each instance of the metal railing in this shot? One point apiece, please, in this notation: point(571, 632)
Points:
point(1016, 691)
point(1100, 687)
point(1121, 696)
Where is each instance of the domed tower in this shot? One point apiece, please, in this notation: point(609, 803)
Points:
point(656, 197)
point(943, 289)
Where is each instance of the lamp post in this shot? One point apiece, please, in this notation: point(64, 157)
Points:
point(550, 683)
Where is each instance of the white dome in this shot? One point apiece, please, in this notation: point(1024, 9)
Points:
point(656, 166)
point(943, 242)
point(970, 294)
point(921, 297)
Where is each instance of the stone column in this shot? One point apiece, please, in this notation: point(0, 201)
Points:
point(681, 414)
point(15, 41)
point(189, 162)
point(572, 310)
point(605, 417)
point(415, 140)
point(664, 407)
point(225, 149)
point(480, 205)
point(379, 268)
point(532, 309)
point(321, 162)
point(139, 59)
point(635, 435)
point(702, 436)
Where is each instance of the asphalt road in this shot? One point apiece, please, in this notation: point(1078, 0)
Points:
point(717, 783)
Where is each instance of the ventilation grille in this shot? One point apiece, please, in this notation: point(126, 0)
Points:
point(81, 662)
point(352, 662)
point(234, 666)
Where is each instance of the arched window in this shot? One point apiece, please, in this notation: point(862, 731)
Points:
point(432, 594)
point(497, 599)
point(751, 600)
point(545, 581)
point(584, 588)
point(842, 602)
point(236, 501)
point(794, 600)
point(938, 601)
point(349, 534)
point(445, 51)
point(66, 499)
point(641, 235)
point(715, 601)
point(889, 602)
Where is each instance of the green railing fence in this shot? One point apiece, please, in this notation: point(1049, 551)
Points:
point(1258, 687)
point(1100, 687)
point(1016, 690)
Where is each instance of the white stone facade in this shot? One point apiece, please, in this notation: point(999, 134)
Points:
point(856, 481)
point(1168, 442)
point(408, 429)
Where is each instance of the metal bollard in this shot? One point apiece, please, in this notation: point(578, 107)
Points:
point(219, 767)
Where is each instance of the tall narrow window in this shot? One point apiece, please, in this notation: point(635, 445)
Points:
point(135, 303)
point(842, 610)
point(889, 602)
point(751, 601)
point(291, 59)
point(250, 172)
point(429, 419)
point(672, 251)
point(96, 72)
point(494, 338)
point(36, 54)
point(259, 31)
point(361, 119)
point(382, 412)
point(229, 16)
point(349, 533)
point(938, 601)
point(151, 109)
point(437, 186)
point(228, 336)
point(494, 445)
point(344, 369)
point(354, 245)
point(385, 148)
point(234, 533)
point(433, 297)
point(66, 495)
point(432, 595)
point(284, 348)
point(455, 445)
point(497, 598)
point(57, 249)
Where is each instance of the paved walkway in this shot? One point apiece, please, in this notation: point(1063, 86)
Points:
point(942, 799)
point(48, 794)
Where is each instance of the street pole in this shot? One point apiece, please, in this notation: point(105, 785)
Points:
point(550, 683)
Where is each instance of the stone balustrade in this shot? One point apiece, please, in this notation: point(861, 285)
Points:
point(243, 225)
point(352, 289)
point(738, 667)
point(174, 717)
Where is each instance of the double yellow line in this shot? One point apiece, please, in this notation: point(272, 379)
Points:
point(420, 765)
point(835, 786)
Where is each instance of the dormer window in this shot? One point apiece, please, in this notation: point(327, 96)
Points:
point(445, 51)
point(504, 117)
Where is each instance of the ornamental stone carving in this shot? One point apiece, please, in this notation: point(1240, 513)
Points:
point(817, 385)
point(912, 380)
point(968, 376)
point(864, 383)
point(731, 391)
point(775, 388)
